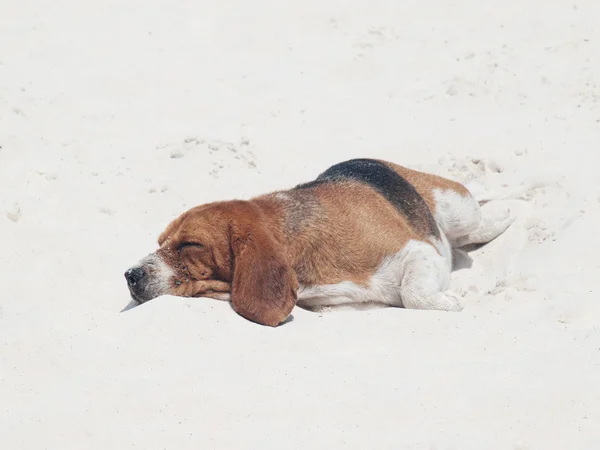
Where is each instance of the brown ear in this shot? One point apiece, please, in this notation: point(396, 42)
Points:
point(264, 285)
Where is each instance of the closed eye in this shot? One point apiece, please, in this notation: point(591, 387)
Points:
point(190, 244)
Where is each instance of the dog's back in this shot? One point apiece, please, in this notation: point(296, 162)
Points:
point(388, 182)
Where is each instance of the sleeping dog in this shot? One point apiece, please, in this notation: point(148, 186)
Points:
point(365, 231)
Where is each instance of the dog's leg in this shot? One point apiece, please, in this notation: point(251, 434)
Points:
point(494, 220)
point(425, 280)
point(465, 222)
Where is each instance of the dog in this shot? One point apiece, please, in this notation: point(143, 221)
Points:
point(365, 231)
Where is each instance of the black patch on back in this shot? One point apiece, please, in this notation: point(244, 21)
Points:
point(388, 183)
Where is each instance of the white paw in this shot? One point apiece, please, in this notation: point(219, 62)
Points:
point(504, 220)
point(495, 212)
point(449, 301)
point(495, 222)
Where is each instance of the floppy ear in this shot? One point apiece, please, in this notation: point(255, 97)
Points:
point(264, 285)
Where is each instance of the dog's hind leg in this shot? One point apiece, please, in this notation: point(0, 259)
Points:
point(425, 279)
point(465, 222)
point(494, 220)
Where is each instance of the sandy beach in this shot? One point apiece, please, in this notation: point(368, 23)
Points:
point(117, 116)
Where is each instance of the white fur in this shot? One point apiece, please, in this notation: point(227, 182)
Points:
point(416, 277)
point(464, 222)
point(457, 215)
point(426, 277)
point(159, 275)
point(495, 219)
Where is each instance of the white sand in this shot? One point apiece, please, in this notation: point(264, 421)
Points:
point(115, 116)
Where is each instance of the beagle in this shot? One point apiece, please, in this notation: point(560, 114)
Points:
point(365, 231)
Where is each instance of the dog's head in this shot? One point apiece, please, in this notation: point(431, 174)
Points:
point(228, 251)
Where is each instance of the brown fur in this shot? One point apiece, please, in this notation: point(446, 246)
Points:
point(344, 242)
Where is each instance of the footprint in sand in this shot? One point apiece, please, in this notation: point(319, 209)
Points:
point(14, 213)
point(107, 211)
point(465, 169)
point(161, 190)
point(222, 153)
point(47, 176)
point(538, 232)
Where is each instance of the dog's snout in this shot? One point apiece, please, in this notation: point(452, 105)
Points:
point(134, 275)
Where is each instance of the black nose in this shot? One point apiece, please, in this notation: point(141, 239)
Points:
point(134, 275)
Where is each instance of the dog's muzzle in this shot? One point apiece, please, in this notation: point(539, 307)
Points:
point(148, 279)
